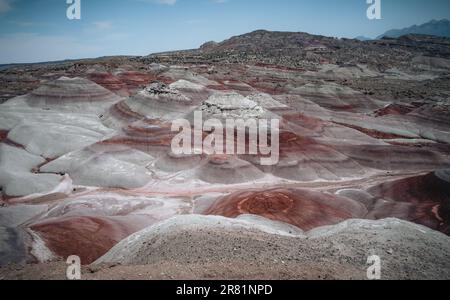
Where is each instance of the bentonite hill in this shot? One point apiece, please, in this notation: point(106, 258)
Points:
point(86, 166)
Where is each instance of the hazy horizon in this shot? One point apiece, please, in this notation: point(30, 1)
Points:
point(39, 31)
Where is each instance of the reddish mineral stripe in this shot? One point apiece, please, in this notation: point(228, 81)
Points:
point(122, 111)
point(134, 79)
point(393, 109)
point(87, 237)
point(306, 210)
point(3, 135)
point(281, 68)
point(428, 197)
point(374, 133)
point(110, 82)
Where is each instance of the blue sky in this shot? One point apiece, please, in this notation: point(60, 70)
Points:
point(38, 30)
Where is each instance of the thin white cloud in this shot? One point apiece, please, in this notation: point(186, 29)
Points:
point(5, 5)
point(167, 2)
point(30, 24)
point(163, 2)
point(102, 25)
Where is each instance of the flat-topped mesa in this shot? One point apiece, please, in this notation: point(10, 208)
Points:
point(232, 105)
point(225, 106)
point(304, 209)
point(159, 101)
point(196, 92)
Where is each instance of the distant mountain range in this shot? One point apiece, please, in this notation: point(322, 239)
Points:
point(59, 62)
point(437, 28)
point(300, 50)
